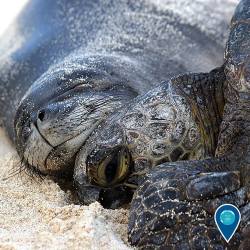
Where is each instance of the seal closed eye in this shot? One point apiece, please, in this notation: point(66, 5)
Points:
point(66, 76)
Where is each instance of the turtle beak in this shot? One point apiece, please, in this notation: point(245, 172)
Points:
point(109, 167)
point(87, 193)
point(108, 197)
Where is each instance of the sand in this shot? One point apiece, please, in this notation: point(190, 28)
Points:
point(39, 215)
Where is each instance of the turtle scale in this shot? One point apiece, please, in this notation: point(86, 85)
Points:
point(194, 181)
point(165, 129)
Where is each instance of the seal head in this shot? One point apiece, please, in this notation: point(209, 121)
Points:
point(63, 107)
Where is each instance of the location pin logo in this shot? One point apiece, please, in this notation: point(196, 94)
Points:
point(227, 218)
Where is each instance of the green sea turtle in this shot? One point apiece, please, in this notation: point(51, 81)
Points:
point(68, 67)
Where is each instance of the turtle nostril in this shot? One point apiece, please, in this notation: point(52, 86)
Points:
point(41, 115)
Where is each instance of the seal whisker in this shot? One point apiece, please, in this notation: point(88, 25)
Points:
point(31, 170)
point(16, 170)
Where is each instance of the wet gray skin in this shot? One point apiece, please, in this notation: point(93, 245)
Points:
point(64, 106)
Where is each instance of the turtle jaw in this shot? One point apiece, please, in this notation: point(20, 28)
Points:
point(87, 181)
point(97, 176)
point(112, 197)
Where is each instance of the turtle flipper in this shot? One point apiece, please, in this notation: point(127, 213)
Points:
point(245, 225)
point(212, 184)
point(171, 210)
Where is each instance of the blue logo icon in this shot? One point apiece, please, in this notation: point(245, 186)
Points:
point(227, 218)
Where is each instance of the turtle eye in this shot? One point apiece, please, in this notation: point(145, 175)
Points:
point(114, 168)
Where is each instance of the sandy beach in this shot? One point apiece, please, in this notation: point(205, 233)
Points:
point(39, 215)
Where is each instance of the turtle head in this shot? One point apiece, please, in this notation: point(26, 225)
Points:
point(107, 158)
point(154, 128)
point(103, 167)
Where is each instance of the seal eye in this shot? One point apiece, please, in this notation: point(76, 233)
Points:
point(114, 168)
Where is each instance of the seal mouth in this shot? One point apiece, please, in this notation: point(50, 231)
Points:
point(63, 155)
point(65, 105)
point(43, 158)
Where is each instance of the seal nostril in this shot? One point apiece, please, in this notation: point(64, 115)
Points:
point(41, 115)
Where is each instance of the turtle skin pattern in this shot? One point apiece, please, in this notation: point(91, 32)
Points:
point(174, 205)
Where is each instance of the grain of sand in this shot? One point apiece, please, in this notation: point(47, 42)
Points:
point(39, 215)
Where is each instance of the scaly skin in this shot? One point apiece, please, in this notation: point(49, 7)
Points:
point(174, 205)
point(190, 186)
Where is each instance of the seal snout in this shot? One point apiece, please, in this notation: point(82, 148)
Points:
point(65, 105)
point(48, 123)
